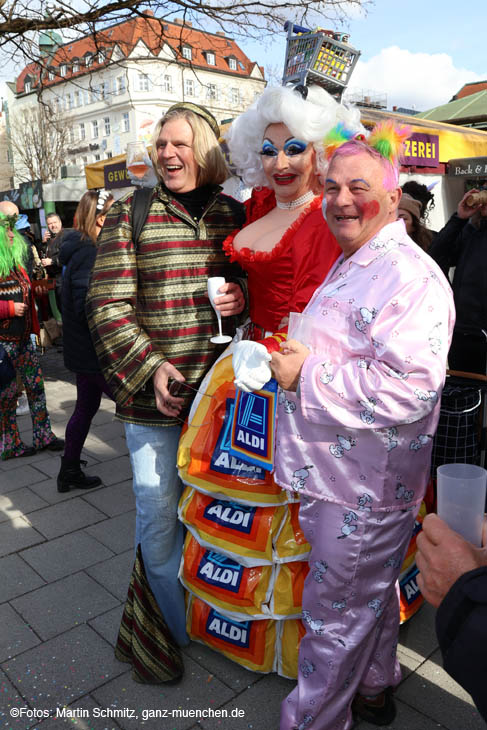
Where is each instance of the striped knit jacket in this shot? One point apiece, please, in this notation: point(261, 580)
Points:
point(148, 304)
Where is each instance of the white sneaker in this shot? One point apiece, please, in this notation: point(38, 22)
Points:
point(22, 406)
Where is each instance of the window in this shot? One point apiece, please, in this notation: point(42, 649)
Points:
point(106, 126)
point(88, 60)
point(210, 58)
point(234, 96)
point(109, 154)
point(82, 130)
point(85, 160)
point(59, 105)
point(167, 84)
point(105, 89)
point(28, 86)
point(70, 100)
point(86, 96)
point(126, 122)
point(121, 87)
point(94, 129)
point(78, 98)
point(211, 92)
point(188, 87)
point(97, 157)
point(95, 94)
point(71, 135)
point(75, 66)
point(144, 82)
point(232, 63)
point(63, 69)
point(102, 57)
point(187, 53)
point(50, 74)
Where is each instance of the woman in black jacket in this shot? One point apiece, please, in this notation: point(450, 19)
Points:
point(77, 256)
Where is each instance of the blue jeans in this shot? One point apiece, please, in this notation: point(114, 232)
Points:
point(157, 488)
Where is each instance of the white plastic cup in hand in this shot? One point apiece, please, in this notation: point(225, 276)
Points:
point(461, 499)
point(300, 328)
point(214, 284)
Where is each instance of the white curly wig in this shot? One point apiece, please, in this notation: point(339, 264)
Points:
point(309, 120)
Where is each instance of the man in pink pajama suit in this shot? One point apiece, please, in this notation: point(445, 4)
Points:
point(357, 447)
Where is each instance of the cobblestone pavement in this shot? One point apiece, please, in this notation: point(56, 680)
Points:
point(65, 561)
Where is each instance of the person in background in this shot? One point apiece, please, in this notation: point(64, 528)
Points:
point(462, 244)
point(52, 241)
point(409, 211)
point(78, 255)
point(151, 323)
point(453, 578)
point(18, 319)
point(423, 194)
point(364, 397)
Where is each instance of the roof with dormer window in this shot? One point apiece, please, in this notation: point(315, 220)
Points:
point(126, 35)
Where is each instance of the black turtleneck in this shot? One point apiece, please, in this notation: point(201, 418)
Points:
point(195, 201)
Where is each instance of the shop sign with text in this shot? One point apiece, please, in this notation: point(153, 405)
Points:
point(422, 150)
point(115, 176)
point(471, 166)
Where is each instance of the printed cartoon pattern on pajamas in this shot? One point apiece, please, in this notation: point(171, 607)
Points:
point(26, 363)
point(350, 609)
point(360, 436)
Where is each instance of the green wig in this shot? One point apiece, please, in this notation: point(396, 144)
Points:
point(12, 254)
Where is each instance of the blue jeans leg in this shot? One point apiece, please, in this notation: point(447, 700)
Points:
point(157, 489)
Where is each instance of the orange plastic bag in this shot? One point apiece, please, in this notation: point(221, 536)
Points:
point(224, 583)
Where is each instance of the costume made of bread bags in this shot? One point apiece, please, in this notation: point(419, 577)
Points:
point(245, 557)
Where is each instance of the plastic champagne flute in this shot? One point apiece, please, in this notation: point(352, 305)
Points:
point(214, 283)
point(137, 159)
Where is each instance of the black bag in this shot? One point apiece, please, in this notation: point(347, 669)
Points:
point(7, 370)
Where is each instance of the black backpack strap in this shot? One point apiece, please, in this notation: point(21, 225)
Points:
point(141, 203)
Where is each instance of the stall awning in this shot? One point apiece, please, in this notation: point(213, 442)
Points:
point(432, 143)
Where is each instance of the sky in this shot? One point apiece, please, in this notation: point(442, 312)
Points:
point(419, 53)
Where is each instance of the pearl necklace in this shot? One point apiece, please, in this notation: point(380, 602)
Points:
point(306, 198)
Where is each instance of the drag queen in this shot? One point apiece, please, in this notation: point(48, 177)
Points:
point(245, 557)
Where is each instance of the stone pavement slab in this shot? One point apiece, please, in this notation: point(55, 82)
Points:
point(20, 476)
point(105, 449)
point(117, 533)
point(260, 704)
point(20, 502)
point(108, 624)
point(16, 636)
point(63, 669)
point(113, 471)
point(197, 689)
point(17, 578)
point(12, 702)
point(48, 489)
point(236, 677)
point(66, 555)
point(114, 500)
point(435, 694)
point(59, 519)
point(17, 534)
point(114, 573)
point(59, 606)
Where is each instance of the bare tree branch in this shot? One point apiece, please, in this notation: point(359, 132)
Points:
point(39, 137)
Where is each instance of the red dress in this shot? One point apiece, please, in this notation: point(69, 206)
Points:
point(282, 280)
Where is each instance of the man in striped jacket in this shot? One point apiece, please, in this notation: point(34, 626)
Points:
point(151, 322)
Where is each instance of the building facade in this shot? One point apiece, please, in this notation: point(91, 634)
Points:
point(111, 88)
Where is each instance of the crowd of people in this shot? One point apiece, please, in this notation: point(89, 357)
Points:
point(328, 236)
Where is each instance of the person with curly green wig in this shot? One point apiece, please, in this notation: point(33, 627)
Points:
point(18, 319)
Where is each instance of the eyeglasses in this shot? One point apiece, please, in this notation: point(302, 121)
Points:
point(291, 148)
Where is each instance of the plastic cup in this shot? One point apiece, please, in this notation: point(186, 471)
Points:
point(461, 499)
